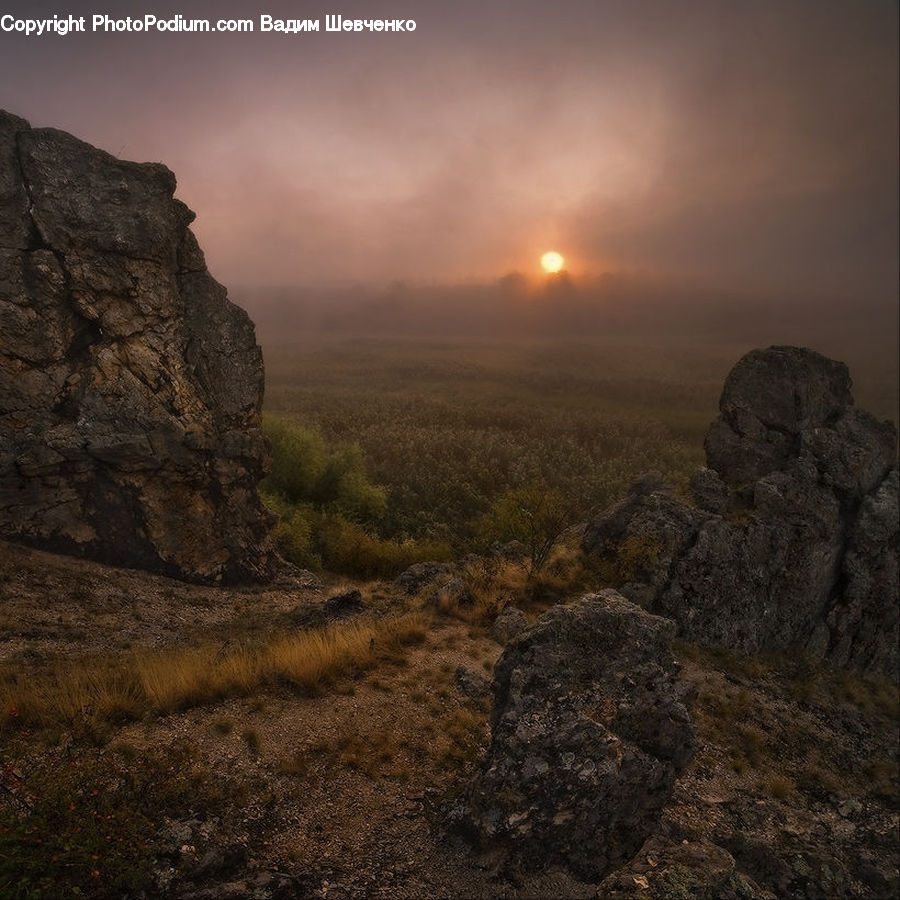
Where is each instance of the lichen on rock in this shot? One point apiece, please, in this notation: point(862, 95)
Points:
point(589, 728)
point(792, 541)
point(130, 386)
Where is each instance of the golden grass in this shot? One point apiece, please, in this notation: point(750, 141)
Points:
point(116, 688)
point(780, 787)
point(493, 584)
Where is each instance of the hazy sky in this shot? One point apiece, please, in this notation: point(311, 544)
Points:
point(749, 144)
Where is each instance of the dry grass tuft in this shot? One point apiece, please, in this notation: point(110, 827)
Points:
point(119, 688)
point(373, 754)
point(252, 739)
point(781, 787)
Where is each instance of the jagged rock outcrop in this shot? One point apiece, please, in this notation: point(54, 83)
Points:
point(588, 730)
point(130, 387)
point(793, 538)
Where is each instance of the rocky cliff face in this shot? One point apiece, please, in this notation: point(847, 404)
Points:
point(793, 538)
point(130, 387)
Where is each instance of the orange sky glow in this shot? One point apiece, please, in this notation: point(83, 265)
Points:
point(751, 144)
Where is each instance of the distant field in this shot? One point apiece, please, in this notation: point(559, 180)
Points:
point(448, 428)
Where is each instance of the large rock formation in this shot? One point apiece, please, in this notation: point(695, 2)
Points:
point(130, 387)
point(588, 731)
point(793, 537)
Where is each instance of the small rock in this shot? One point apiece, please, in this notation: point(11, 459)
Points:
point(454, 593)
point(344, 604)
point(664, 869)
point(510, 623)
point(413, 579)
point(710, 492)
point(218, 861)
point(472, 684)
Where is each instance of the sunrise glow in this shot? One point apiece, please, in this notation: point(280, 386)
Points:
point(552, 262)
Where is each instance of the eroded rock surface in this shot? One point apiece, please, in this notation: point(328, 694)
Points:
point(793, 538)
point(663, 870)
point(588, 730)
point(130, 387)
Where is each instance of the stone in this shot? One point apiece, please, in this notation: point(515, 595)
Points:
point(418, 575)
point(769, 398)
point(709, 491)
point(589, 728)
point(864, 618)
point(471, 684)
point(454, 592)
point(509, 624)
point(793, 538)
point(131, 386)
point(664, 869)
point(510, 550)
point(347, 603)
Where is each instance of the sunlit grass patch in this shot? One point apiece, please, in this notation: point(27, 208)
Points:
point(118, 688)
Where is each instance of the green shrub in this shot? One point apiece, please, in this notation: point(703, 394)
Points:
point(306, 471)
point(533, 514)
point(329, 510)
point(293, 537)
point(328, 540)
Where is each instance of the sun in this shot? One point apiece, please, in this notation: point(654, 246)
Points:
point(552, 262)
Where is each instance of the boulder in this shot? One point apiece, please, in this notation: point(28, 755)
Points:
point(130, 387)
point(589, 729)
point(509, 624)
point(419, 575)
point(793, 538)
point(790, 403)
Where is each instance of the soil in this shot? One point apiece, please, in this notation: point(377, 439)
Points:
point(340, 795)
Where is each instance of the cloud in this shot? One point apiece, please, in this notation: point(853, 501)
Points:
point(719, 142)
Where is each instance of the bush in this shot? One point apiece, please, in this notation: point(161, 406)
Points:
point(306, 471)
point(85, 824)
point(293, 537)
point(534, 515)
point(329, 510)
point(317, 540)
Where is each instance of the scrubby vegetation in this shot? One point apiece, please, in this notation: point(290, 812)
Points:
point(82, 823)
point(329, 512)
point(774, 743)
point(391, 452)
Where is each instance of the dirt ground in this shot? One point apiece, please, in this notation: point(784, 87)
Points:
point(339, 794)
